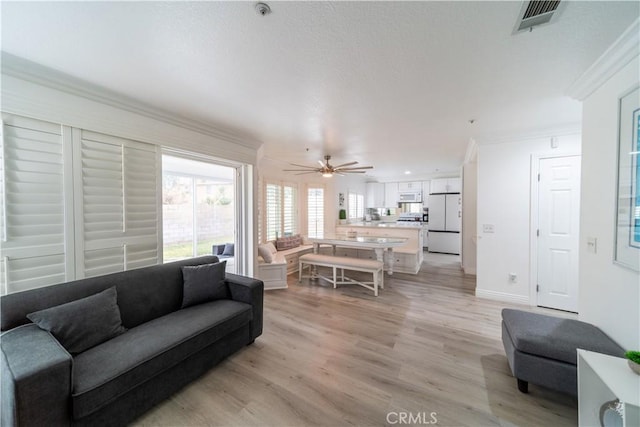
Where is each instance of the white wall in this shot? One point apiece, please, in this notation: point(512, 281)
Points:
point(469, 216)
point(609, 293)
point(504, 199)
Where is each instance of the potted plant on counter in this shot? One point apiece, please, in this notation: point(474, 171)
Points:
point(634, 360)
point(342, 216)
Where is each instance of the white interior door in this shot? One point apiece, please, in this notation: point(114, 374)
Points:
point(558, 232)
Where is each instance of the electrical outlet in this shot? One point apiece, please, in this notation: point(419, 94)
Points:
point(487, 228)
point(513, 277)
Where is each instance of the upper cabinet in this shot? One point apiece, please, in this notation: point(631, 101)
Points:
point(446, 185)
point(390, 194)
point(408, 187)
point(375, 195)
point(426, 185)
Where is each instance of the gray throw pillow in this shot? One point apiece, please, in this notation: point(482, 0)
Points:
point(84, 323)
point(203, 283)
point(228, 249)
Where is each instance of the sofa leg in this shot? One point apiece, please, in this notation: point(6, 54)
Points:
point(523, 386)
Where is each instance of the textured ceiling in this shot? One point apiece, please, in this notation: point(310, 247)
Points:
point(388, 84)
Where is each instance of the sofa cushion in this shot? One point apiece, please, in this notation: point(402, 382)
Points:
point(81, 324)
point(109, 370)
point(554, 337)
point(203, 283)
point(291, 242)
point(228, 249)
point(267, 251)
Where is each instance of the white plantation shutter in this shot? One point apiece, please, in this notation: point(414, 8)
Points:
point(356, 205)
point(34, 203)
point(289, 211)
point(118, 204)
point(281, 209)
point(273, 207)
point(315, 212)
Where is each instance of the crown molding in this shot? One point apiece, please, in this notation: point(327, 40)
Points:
point(499, 138)
point(619, 54)
point(32, 72)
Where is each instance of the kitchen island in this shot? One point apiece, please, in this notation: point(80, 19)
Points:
point(407, 258)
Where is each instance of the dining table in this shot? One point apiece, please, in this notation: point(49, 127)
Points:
point(380, 245)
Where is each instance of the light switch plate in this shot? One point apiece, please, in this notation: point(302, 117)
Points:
point(592, 244)
point(487, 228)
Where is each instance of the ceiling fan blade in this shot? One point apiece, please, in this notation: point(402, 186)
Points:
point(301, 170)
point(306, 173)
point(322, 164)
point(345, 164)
point(303, 166)
point(355, 169)
point(350, 171)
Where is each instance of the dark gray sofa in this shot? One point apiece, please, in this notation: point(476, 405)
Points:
point(164, 348)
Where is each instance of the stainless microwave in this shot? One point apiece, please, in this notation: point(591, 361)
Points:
point(411, 197)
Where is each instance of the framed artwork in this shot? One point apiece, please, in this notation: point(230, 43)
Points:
point(627, 250)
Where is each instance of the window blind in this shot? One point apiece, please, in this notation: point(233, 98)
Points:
point(315, 212)
point(281, 210)
point(118, 204)
point(273, 208)
point(33, 204)
point(356, 205)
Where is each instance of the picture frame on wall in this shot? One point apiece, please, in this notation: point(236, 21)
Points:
point(627, 249)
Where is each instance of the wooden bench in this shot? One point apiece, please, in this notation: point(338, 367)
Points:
point(344, 263)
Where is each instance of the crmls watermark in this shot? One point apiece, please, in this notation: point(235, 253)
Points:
point(423, 418)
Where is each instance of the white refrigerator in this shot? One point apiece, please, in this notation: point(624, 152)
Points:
point(445, 219)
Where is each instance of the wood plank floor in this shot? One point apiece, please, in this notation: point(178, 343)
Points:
point(344, 357)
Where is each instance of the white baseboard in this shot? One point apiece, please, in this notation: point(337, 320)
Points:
point(276, 286)
point(502, 296)
point(471, 271)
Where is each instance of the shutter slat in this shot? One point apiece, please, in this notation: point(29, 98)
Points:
point(119, 201)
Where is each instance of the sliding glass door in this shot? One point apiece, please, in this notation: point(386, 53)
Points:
point(198, 209)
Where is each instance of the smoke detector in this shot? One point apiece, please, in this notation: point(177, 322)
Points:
point(534, 13)
point(263, 9)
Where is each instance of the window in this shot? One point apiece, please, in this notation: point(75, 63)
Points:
point(281, 213)
point(198, 208)
point(315, 211)
point(75, 204)
point(356, 205)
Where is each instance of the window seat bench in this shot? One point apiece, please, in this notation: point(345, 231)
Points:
point(274, 274)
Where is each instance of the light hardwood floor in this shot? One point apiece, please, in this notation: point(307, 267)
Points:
point(344, 357)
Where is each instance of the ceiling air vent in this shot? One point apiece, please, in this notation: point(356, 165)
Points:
point(536, 13)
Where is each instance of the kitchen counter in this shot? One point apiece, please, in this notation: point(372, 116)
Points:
point(407, 257)
point(380, 224)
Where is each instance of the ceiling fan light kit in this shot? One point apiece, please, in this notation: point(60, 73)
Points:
point(327, 170)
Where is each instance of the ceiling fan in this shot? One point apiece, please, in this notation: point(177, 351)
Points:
point(327, 170)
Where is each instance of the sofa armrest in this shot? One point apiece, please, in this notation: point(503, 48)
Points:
point(251, 291)
point(36, 378)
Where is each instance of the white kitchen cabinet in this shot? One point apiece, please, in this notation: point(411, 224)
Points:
point(425, 235)
point(375, 195)
point(409, 187)
point(426, 189)
point(390, 194)
point(445, 185)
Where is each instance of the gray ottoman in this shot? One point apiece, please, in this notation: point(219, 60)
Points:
point(542, 349)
